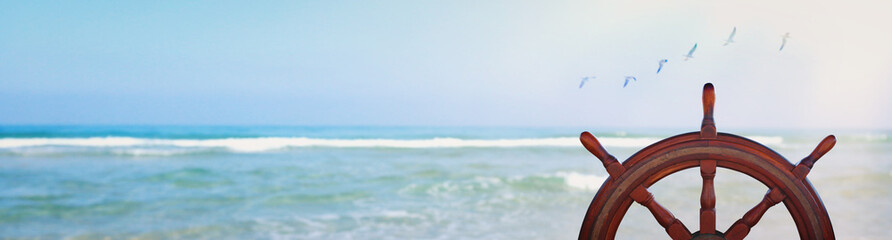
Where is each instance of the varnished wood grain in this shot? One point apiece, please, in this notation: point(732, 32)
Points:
point(805, 165)
point(614, 168)
point(707, 127)
point(742, 227)
point(707, 197)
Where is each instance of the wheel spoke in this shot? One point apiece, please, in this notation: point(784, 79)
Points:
point(742, 227)
point(707, 197)
point(805, 165)
point(673, 226)
point(707, 127)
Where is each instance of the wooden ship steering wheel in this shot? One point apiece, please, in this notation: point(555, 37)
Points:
point(707, 149)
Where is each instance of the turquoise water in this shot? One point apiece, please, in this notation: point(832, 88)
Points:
point(138, 182)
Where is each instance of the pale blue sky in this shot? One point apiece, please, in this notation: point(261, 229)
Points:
point(515, 63)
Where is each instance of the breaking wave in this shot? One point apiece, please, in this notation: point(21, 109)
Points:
point(276, 143)
point(166, 147)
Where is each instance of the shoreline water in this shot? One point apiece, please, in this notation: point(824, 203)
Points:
point(150, 187)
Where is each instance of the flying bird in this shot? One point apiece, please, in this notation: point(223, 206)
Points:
point(731, 38)
point(784, 41)
point(627, 80)
point(690, 53)
point(585, 79)
point(661, 65)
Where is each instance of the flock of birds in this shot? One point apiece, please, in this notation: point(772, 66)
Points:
point(690, 55)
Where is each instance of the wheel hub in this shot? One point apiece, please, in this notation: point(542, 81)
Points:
point(707, 236)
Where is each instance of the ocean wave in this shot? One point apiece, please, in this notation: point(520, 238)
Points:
point(154, 152)
point(866, 137)
point(275, 143)
point(767, 140)
point(131, 146)
point(581, 180)
point(51, 150)
point(558, 181)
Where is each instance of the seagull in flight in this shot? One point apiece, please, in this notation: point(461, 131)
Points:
point(731, 38)
point(585, 79)
point(690, 53)
point(784, 38)
point(627, 80)
point(661, 64)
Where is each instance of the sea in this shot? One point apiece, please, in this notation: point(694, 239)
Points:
point(346, 182)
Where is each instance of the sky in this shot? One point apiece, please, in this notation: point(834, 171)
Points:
point(445, 63)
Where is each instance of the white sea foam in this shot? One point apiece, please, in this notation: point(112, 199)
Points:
point(76, 142)
point(142, 146)
point(151, 152)
point(478, 184)
point(868, 137)
point(581, 181)
point(767, 140)
point(398, 214)
point(273, 143)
